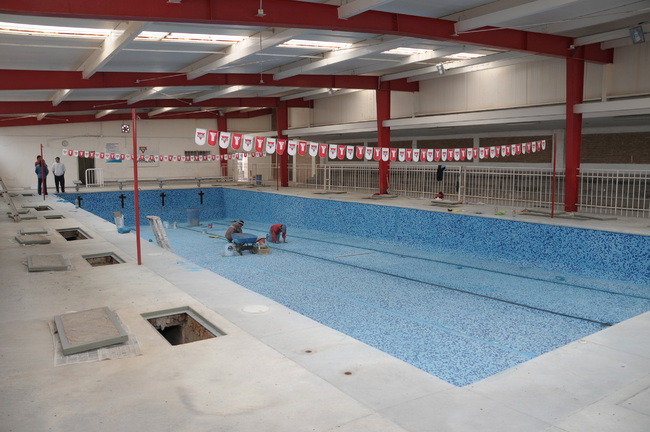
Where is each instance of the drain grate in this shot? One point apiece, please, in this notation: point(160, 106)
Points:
point(182, 325)
point(103, 259)
point(71, 234)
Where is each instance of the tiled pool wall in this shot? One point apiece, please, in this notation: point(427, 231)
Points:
point(592, 253)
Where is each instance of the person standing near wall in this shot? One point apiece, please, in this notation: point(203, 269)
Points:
point(58, 169)
point(41, 171)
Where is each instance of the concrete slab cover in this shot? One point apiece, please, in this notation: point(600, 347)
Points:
point(30, 239)
point(46, 263)
point(27, 217)
point(90, 329)
point(34, 230)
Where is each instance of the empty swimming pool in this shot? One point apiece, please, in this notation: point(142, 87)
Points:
point(461, 310)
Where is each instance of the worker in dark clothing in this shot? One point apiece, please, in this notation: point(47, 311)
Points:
point(275, 231)
point(234, 228)
point(41, 171)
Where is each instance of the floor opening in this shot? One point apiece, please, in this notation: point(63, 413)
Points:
point(42, 208)
point(181, 326)
point(71, 234)
point(53, 217)
point(103, 259)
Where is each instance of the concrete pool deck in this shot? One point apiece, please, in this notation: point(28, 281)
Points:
point(274, 370)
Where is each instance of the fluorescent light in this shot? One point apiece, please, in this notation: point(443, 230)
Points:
point(406, 51)
point(40, 30)
point(299, 43)
point(188, 37)
point(464, 56)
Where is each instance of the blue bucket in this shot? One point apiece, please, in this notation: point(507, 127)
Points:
point(193, 217)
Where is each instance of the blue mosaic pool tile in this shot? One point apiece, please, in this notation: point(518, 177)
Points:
point(459, 297)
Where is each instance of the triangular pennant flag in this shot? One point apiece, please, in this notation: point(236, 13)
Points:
point(430, 154)
point(368, 153)
point(360, 151)
point(423, 155)
point(385, 154)
point(393, 154)
point(409, 155)
point(376, 153)
point(463, 152)
point(543, 144)
point(443, 155)
point(401, 155)
point(416, 155)
point(493, 152)
point(456, 154)
point(437, 154)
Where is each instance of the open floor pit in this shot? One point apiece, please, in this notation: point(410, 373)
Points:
point(182, 325)
point(103, 259)
point(71, 234)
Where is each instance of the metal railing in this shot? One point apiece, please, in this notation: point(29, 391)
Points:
point(615, 192)
point(94, 177)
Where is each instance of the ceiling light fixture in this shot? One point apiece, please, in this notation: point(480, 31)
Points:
point(636, 34)
point(260, 11)
point(441, 68)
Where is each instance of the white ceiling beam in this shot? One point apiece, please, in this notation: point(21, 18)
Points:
point(434, 69)
point(160, 111)
point(334, 57)
point(304, 94)
point(240, 50)
point(606, 37)
point(41, 116)
point(415, 58)
point(327, 94)
point(509, 14)
point(615, 108)
point(211, 94)
point(103, 113)
point(60, 95)
point(142, 95)
point(123, 34)
point(356, 7)
point(521, 58)
point(600, 12)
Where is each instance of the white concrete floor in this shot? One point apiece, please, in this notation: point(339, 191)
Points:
point(274, 370)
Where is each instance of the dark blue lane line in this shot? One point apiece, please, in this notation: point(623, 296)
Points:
point(553, 281)
point(392, 312)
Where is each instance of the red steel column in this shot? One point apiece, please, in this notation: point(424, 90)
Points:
point(575, 74)
point(282, 119)
point(135, 185)
point(222, 126)
point(382, 95)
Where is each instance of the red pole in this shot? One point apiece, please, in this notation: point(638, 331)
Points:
point(42, 173)
point(382, 95)
point(554, 158)
point(135, 186)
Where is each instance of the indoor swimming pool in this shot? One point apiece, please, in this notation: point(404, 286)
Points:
point(461, 297)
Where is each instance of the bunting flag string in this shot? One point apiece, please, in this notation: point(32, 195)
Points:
point(256, 146)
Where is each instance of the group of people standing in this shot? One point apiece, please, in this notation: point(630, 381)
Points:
point(42, 171)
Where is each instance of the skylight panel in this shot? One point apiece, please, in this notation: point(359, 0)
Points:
point(52, 31)
point(300, 43)
point(188, 37)
point(464, 56)
point(406, 51)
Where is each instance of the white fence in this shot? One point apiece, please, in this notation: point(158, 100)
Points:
point(616, 192)
point(94, 177)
